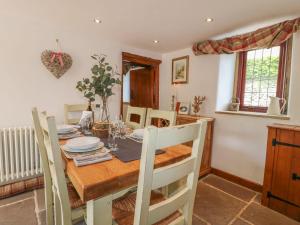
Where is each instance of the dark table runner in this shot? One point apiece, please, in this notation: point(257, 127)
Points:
point(129, 150)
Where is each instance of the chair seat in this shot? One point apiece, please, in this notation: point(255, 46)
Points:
point(123, 209)
point(74, 198)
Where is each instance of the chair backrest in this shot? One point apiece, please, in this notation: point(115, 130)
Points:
point(74, 109)
point(46, 169)
point(152, 179)
point(46, 132)
point(136, 111)
point(160, 114)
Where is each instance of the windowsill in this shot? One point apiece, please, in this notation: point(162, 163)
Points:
point(254, 114)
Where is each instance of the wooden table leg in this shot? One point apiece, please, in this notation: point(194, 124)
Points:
point(99, 211)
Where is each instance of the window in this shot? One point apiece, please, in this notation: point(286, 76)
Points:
point(260, 75)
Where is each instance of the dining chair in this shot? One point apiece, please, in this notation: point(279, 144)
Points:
point(150, 207)
point(170, 116)
point(78, 108)
point(141, 112)
point(63, 205)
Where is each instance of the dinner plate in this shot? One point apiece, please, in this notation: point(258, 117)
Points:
point(67, 149)
point(82, 143)
point(64, 127)
point(69, 135)
point(73, 130)
point(138, 133)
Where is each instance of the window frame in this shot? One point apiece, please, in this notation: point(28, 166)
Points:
point(241, 78)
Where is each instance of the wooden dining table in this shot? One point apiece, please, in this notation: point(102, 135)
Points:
point(99, 184)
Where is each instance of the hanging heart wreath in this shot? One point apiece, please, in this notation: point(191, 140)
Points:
point(58, 63)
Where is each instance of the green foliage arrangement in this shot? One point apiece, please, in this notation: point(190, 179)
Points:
point(101, 83)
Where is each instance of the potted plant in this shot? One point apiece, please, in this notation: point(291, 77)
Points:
point(101, 83)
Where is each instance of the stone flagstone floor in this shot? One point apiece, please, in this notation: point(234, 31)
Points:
point(218, 202)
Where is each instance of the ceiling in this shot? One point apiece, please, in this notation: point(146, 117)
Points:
point(176, 24)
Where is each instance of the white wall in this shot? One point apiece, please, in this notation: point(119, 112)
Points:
point(25, 82)
point(239, 145)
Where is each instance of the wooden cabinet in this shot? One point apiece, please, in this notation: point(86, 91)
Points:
point(281, 189)
point(206, 157)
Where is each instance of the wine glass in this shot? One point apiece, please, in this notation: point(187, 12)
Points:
point(118, 124)
point(113, 132)
point(123, 130)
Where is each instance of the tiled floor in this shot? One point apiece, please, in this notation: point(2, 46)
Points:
point(218, 202)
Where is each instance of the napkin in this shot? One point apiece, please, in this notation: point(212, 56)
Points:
point(91, 159)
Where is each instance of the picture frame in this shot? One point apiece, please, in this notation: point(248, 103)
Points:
point(183, 108)
point(180, 70)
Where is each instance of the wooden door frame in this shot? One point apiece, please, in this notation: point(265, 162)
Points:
point(154, 63)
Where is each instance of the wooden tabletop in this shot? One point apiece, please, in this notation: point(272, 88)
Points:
point(100, 179)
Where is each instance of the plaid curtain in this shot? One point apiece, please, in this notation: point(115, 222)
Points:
point(262, 38)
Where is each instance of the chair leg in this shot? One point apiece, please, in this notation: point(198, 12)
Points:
point(188, 213)
point(49, 205)
point(99, 211)
point(57, 209)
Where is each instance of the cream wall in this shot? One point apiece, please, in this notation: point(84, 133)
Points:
point(239, 145)
point(25, 82)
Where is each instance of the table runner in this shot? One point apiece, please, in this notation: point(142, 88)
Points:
point(129, 150)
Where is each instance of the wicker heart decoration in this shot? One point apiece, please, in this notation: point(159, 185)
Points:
point(58, 63)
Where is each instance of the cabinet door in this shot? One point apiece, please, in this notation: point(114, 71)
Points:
point(282, 164)
point(294, 189)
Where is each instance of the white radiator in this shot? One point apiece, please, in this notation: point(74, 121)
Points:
point(19, 156)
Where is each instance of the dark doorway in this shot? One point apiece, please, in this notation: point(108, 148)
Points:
point(140, 86)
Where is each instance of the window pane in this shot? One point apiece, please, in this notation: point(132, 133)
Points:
point(261, 76)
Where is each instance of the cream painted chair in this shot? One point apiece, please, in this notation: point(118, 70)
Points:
point(136, 111)
point(63, 205)
point(170, 116)
point(177, 209)
point(74, 109)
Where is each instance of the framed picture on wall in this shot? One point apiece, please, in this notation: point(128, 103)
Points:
point(180, 70)
point(184, 108)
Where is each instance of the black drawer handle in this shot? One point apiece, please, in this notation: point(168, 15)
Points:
point(295, 176)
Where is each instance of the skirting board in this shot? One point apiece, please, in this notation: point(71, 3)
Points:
point(238, 180)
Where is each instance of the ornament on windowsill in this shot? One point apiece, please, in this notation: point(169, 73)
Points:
point(58, 63)
point(234, 105)
point(198, 101)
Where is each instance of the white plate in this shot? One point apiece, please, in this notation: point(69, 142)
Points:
point(64, 127)
point(73, 130)
point(83, 143)
point(67, 149)
point(69, 136)
point(138, 133)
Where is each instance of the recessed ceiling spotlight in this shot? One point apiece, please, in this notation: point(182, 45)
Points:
point(209, 20)
point(97, 20)
point(156, 41)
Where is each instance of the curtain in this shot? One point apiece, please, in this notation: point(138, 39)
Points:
point(262, 38)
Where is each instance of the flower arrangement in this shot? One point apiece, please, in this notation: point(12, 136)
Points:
point(101, 83)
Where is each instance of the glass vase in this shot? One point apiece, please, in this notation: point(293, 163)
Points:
point(104, 110)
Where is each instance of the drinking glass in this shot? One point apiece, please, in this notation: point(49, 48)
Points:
point(113, 131)
point(123, 131)
point(118, 124)
point(86, 125)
